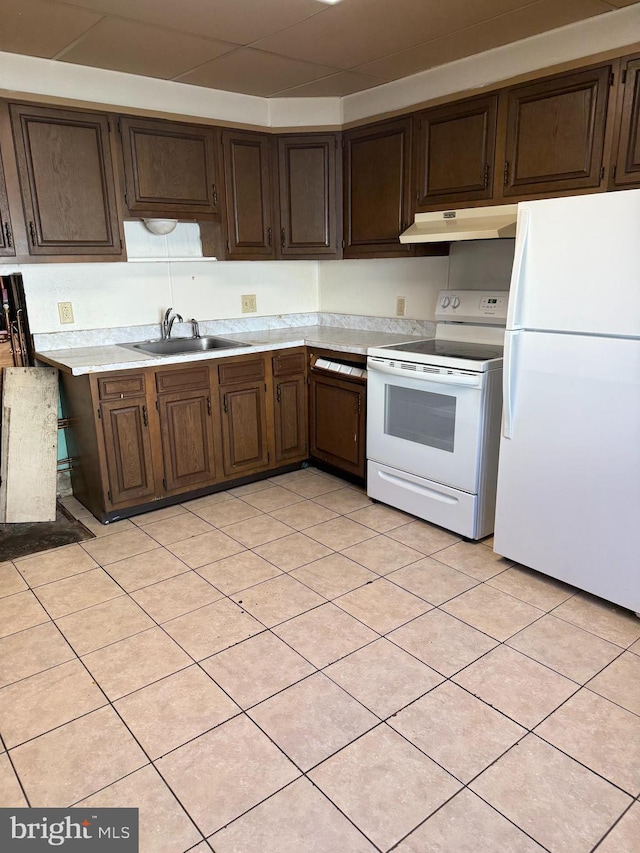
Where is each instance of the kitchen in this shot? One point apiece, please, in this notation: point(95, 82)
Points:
point(135, 294)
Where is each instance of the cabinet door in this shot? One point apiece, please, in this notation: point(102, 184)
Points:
point(244, 432)
point(128, 450)
point(337, 414)
point(247, 179)
point(187, 440)
point(555, 133)
point(6, 233)
point(66, 180)
point(307, 173)
point(169, 168)
point(627, 164)
point(377, 204)
point(290, 407)
point(455, 152)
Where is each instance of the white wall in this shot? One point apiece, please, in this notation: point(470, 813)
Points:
point(481, 265)
point(371, 287)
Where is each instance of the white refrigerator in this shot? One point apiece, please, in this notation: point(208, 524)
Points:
point(568, 501)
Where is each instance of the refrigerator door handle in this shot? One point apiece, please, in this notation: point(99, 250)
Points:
point(517, 272)
point(508, 378)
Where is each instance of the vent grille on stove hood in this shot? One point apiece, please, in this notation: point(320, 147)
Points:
point(473, 223)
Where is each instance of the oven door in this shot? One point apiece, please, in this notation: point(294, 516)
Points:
point(426, 424)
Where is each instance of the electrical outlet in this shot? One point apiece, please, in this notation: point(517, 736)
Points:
point(401, 306)
point(65, 312)
point(249, 303)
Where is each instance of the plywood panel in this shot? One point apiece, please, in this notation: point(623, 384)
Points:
point(29, 444)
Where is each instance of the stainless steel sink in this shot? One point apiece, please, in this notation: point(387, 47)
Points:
point(177, 346)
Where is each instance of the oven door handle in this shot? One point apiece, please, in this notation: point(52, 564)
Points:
point(443, 379)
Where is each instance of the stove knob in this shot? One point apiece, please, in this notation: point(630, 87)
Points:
point(445, 301)
point(455, 301)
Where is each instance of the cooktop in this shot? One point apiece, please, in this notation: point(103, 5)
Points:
point(450, 349)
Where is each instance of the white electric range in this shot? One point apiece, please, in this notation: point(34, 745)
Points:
point(433, 416)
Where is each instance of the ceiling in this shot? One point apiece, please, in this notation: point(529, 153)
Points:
point(283, 48)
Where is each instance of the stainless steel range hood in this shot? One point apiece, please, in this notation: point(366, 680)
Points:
point(472, 223)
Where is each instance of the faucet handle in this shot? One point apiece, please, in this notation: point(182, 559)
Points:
point(195, 328)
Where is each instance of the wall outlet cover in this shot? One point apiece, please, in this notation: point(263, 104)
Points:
point(65, 312)
point(401, 306)
point(249, 305)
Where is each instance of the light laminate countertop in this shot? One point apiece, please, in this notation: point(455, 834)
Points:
point(100, 359)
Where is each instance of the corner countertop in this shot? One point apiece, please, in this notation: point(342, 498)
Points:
point(100, 359)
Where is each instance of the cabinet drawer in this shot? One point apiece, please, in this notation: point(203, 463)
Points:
point(122, 386)
point(241, 371)
point(182, 380)
point(288, 363)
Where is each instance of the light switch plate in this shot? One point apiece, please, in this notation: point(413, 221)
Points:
point(401, 306)
point(65, 312)
point(249, 303)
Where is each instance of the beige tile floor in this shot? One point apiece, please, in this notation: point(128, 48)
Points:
point(288, 667)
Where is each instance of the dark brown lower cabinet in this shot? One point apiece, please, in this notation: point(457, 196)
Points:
point(127, 447)
point(337, 417)
point(243, 405)
point(184, 408)
point(290, 407)
point(187, 440)
point(157, 434)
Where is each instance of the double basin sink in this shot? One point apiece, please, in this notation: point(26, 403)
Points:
point(179, 346)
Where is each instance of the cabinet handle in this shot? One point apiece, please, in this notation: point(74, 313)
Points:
point(224, 402)
point(208, 405)
point(32, 232)
point(215, 195)
point(506, 172)
point(7, 234)
point(283, 238)
point(486, 175)
point(278, 394)
point(269, 236)
point(145, 418)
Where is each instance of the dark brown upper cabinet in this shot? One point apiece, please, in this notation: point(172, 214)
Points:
point(377, 180)
point(66, 181)
point(248, 194)
point(455, 153)
point(307, 182)
point(555, 133)
point(169, 168)
point(6, 232)
point(626, 170)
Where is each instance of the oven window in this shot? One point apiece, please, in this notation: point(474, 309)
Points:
point(420, 416)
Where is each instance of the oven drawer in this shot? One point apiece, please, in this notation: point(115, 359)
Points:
point(449, 508)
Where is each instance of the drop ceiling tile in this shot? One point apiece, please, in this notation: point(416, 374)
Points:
point(36, 28)
point(357, 31)
point(335, 86)
point(254, 73)
point(536, 18)
point(141, 49)
point(239, 21)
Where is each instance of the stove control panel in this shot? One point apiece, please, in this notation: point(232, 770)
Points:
point(473, 306)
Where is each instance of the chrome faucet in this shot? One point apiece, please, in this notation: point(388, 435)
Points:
point(195, 328)
point(167, 323)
